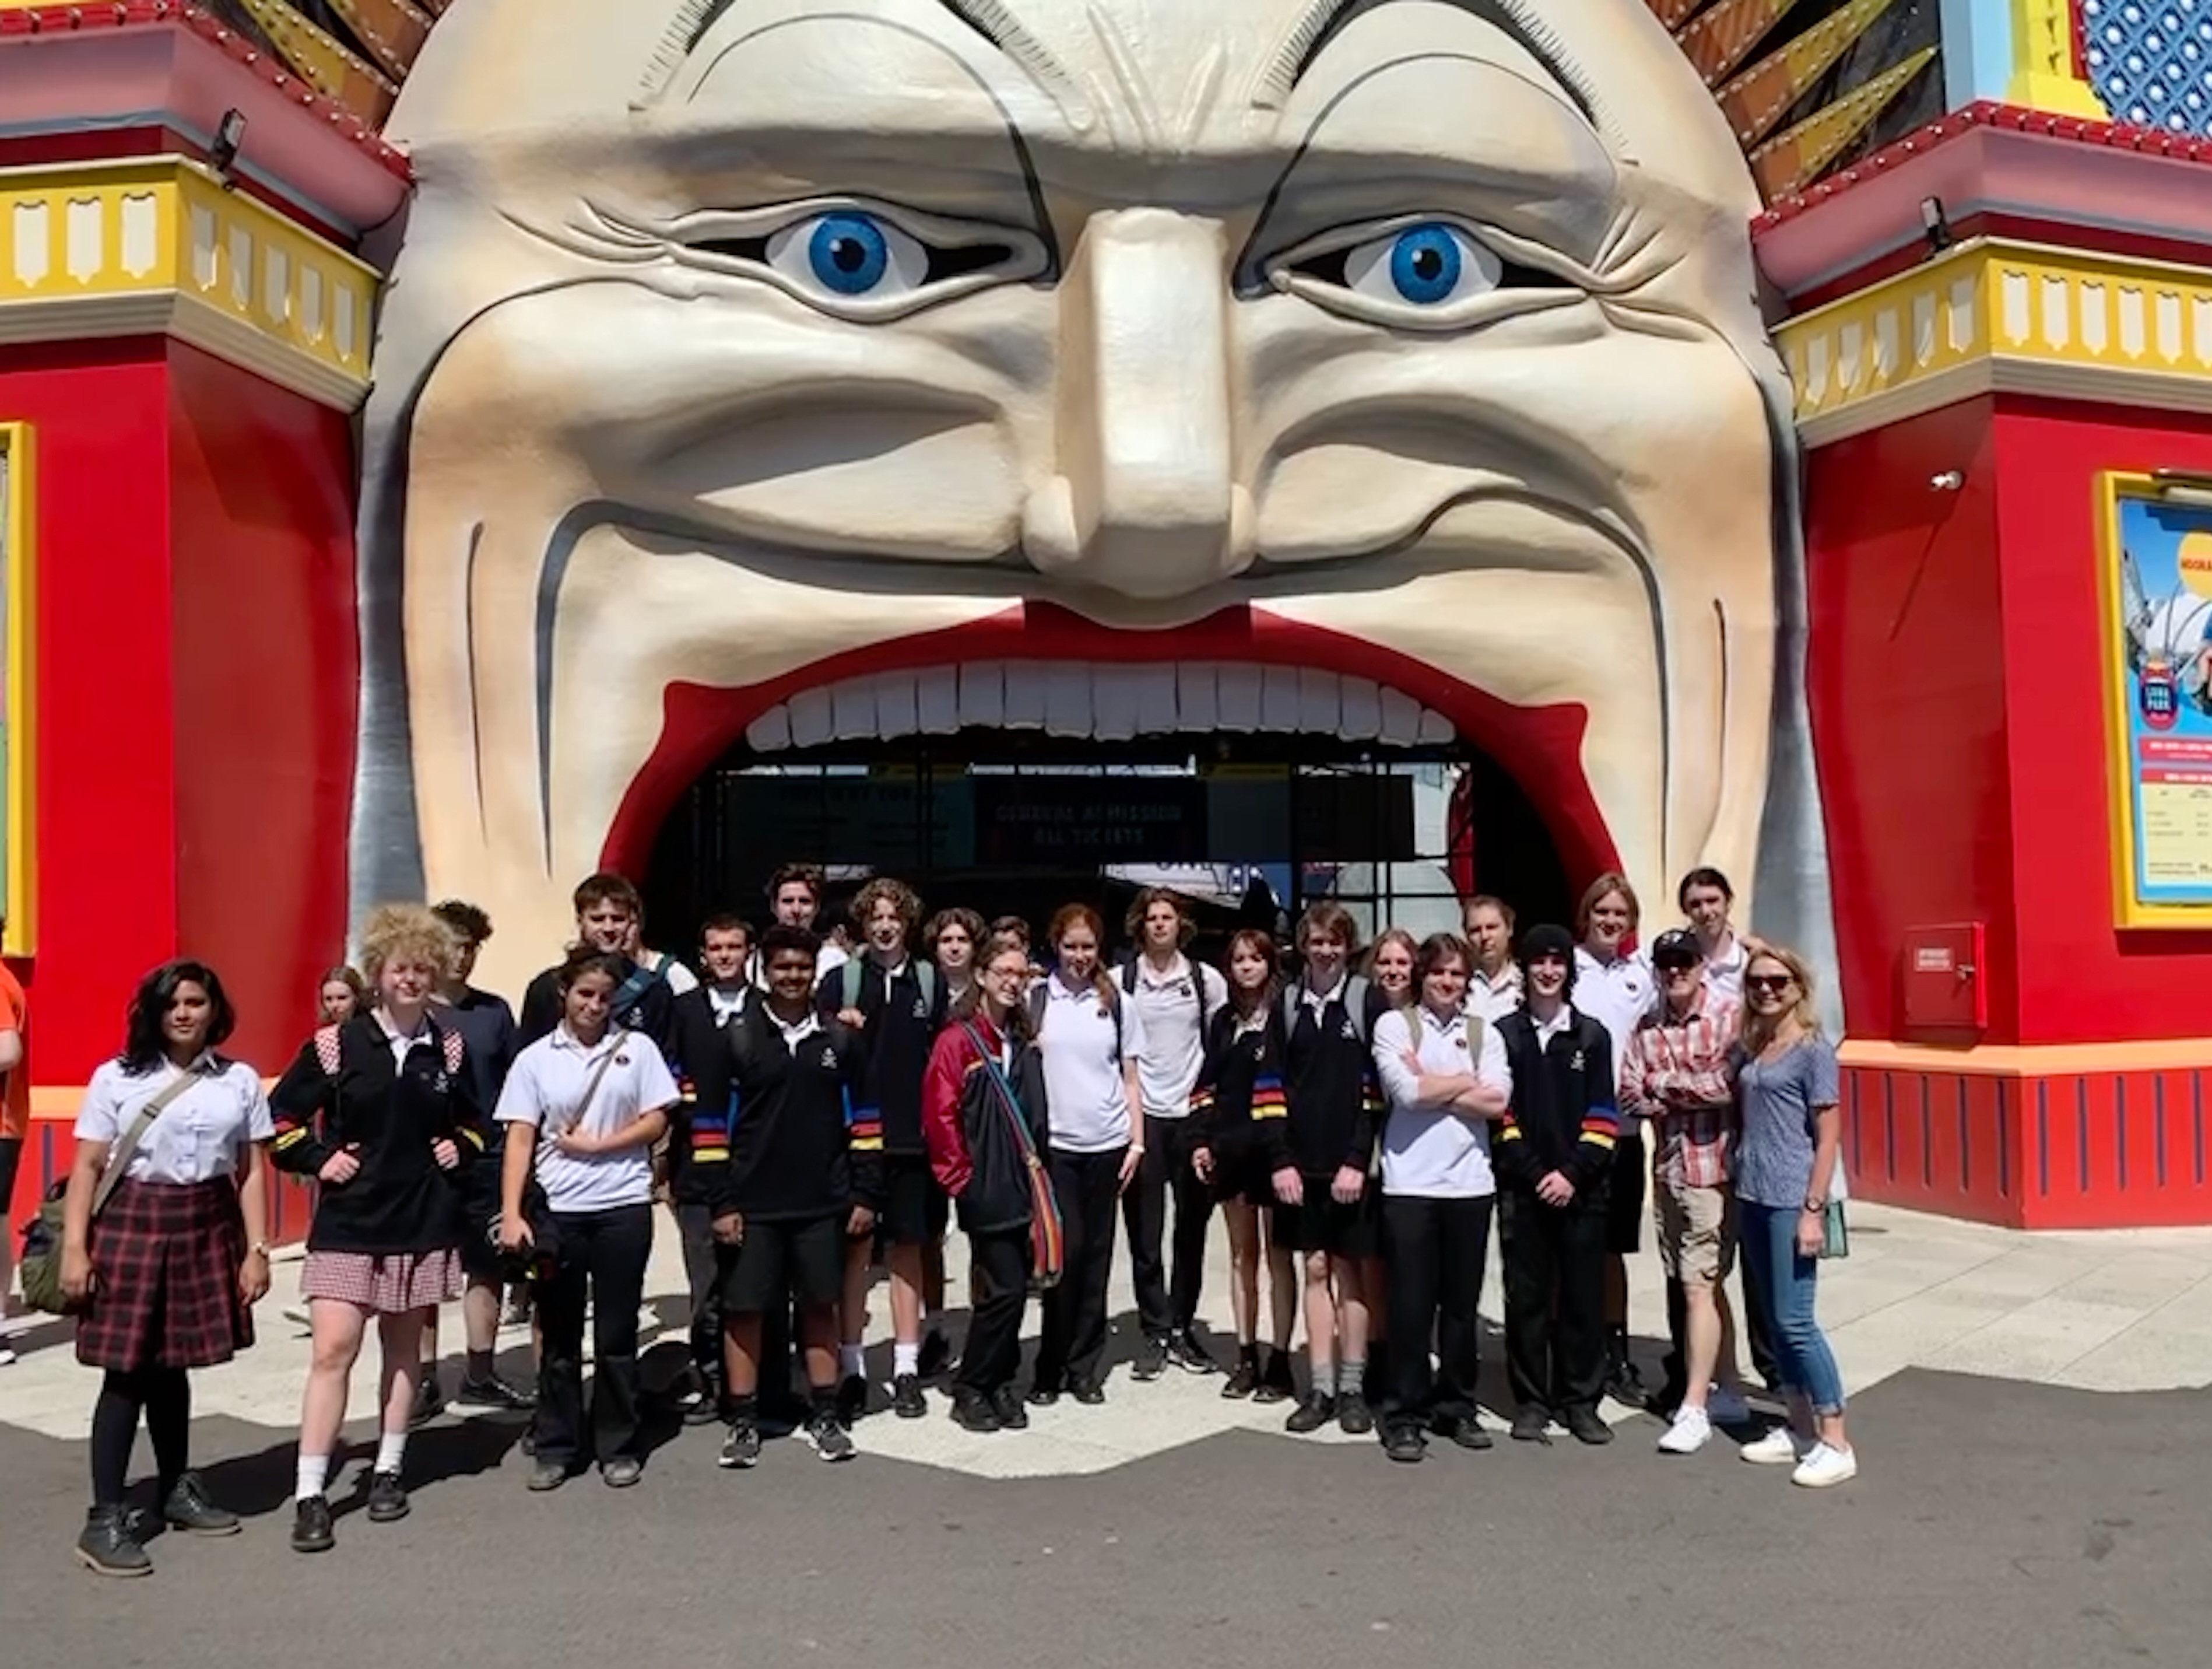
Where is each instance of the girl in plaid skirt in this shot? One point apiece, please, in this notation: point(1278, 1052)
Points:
point(166, 1270)
point(380, 1111)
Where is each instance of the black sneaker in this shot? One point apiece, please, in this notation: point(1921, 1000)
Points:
point(1532, 1425)
point(827, 1436)
point(1466, 1431)
point(1244, 1379)
point(1626, 1385)
point(188, 1509)
point(387, 1499)
point(1185, 1351)
point(971, 1413)
point(544, 1475)
point(907, 1400)
point(493, 1392)
point(623, 1471)
point(1090, 1393)
point(1043, 1396)
point(1353, 1417)
point(853, 1399)
point(1586, 1427)
point(311, 1525)
point(1316, 1410)
point(1402, 1442)
point(936, 1355)
point(741, 1447)
point(1276, 1385)
point(1007, 1404)
point(430, 1402)
point(1151, 1360)
point(106, 1547)
point(701, 1405)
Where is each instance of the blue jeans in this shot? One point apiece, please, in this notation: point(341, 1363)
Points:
point(1779, 1281)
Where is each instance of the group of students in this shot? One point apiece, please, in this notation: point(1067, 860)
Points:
point(811, 1113)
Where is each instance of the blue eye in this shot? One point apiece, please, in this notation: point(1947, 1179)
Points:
point(848, 253)
point(1424, 264)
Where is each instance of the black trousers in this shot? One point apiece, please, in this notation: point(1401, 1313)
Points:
point(1434, 1251)
point(1750, 1323)
point(704, 1261)
point(603, 1258)
point(1072, 1343)
point(1165, 1307)
point(993, 1354)
point(1554, 1301)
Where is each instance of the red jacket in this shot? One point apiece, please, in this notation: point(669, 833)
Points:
point(974, 1150)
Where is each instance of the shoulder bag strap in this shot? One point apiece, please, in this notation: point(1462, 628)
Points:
point(592, 1086)
point(118, 1157)
point(1009, 1103)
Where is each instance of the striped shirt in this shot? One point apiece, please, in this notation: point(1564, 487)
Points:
point(1677, 1076)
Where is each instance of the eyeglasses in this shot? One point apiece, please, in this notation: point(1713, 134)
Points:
point(1770, 983)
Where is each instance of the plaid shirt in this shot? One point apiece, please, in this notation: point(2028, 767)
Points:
point(1677, 1076)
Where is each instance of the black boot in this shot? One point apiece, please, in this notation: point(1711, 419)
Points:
point(107, 1547)
point(187, 1507)
point(1276, 1385)
point(1245, 1379)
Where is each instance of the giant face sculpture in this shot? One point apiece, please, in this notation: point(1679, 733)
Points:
point(1377, 367)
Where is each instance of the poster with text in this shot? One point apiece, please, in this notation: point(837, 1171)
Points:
point(2164, 700)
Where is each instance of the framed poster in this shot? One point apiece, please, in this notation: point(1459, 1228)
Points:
point(18, 644)
point(2157, 573)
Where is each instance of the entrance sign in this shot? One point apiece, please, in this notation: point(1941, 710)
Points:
point(1088, 820)
point(2157, 574)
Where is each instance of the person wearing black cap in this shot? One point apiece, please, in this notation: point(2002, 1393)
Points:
point(1554, 1158)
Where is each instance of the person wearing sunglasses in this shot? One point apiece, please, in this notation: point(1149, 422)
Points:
point(1786, 1162)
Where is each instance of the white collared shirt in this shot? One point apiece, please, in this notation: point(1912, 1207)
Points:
point(545, 1090)
point(1617, 995)
point(1724, 971)
point(1494, 999)
point(400, 1042)
point(793, 1033)
point(1428, 1152)
point(203, 1134)
point(729, 1002)
point(1089, 1102)
point(1176, 1006)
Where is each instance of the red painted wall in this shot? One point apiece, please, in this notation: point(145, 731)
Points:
point(2081, 978)
point(267, 670)
point(1907, 681)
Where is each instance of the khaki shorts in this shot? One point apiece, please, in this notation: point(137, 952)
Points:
point(1696, 1232)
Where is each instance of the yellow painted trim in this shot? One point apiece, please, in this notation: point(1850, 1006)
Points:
point(2043, 75)
point(19, 888)
point(128, 233)
point(1995, 312)
point(2032, 1061)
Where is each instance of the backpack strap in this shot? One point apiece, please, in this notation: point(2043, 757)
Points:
point(1035, 1002)
point(449, 1040)
point(849, 983)
point(1355, 1003)
point(627, 994)
point(924, 974)
point(326, 1050)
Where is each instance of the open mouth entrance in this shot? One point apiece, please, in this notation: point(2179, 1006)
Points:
point(1013, 788)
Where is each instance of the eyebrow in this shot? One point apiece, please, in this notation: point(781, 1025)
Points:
point(1324, 20)
point(990, 19)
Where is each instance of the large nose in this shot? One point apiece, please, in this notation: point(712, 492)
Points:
point(1143, 498)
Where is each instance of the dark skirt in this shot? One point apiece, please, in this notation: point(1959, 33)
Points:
point(165, 1259)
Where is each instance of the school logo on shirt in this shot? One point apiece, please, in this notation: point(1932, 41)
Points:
point(920, 1008)
point(829, 1057)
point(1577, 1063)
point(622, 1060)
point(1350, 1034)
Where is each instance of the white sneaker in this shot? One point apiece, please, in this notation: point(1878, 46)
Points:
point(1690, 1432)
point(1725, 1407)
point(1779, 1447)
point(1824, 1467)
point(7, 1357)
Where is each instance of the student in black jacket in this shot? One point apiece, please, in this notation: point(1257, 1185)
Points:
point(801, 1178)
point(1553, 1157)
point(985, 1073)
point(609, 913)
point(698, 1142)
point(894, 1002)
point(381, 1113)
point(1239, 1144)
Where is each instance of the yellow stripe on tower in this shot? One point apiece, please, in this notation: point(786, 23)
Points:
point(1795, 158)
point(1759, 98)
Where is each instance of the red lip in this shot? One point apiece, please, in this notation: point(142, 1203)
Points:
point(1540, 746)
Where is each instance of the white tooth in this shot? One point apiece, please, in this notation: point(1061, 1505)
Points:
point(983, 695)
point(1278, 698)
point(1156, 712)
point(771, 732)
point(1114, 700)
point(812, 720)
point(1321, 701)
point(1239, 687)
point(1067, 700)
point(852, 708)
point(894, 705)
point(937, 698)
point(1363, 708)
point(1436, 729)
point(1401, 718)
point(1198, 706)
point(1025, 685)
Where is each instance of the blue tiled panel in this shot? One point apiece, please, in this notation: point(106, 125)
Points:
point(2151, 61)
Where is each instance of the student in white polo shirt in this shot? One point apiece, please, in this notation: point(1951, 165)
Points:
point(1175, 997)
point(1493, 989)
point(583, 1106)
point(1706, 899)
point(1091, 1040)
point(1616, 987)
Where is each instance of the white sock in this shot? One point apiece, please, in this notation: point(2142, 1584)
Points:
point(905, 1358)
point(314, 1472)
point(852, 1360)
point(391, 1452)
